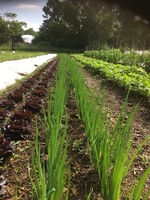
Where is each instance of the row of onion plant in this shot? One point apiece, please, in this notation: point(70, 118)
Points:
point(50, 175)
point(109, 147)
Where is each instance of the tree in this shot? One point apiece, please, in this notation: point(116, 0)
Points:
point(131, 31)
point(10, 16)
point(4, 33)
point(16, 27)
point(9, 26)
point(82, 23)
point(30, 31)
point(75, 23)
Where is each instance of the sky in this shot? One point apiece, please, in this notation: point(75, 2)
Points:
point(29, 11)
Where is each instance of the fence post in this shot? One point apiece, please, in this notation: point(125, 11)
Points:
point(12, 42)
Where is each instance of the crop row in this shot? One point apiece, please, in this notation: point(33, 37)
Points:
point(130, 77)
point(109, 147)
point(50, 175)
point(20, 106)
point(127, 58)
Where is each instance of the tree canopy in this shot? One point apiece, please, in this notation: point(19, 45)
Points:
point(10, 26)
point(81, 24)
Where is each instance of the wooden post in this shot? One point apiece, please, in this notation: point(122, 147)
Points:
point(12, 42)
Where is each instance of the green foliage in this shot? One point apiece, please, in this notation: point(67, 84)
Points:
point(10, 26)
point(127, 58)
point(110, 55)
point(50, 175)
point(30, 31)
point(131, 32)
point(131, 77)
point(16, 27)
point(146, 61)
point(86, 24)
point(109, 148)
point(82, 24)
point(4, 35)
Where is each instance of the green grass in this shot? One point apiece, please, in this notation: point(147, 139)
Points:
point(9, 55)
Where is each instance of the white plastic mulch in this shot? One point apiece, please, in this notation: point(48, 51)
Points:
point(12, 70)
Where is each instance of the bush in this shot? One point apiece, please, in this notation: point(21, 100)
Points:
point(116, 56)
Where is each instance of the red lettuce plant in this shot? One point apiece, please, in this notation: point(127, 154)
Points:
point(33, 104)
point(29, 82)
point(39, 92)
point(6, 148)
point(7, 103)
point(22, 114)
point(16, 129)
point(16, 96)
point(3, 114)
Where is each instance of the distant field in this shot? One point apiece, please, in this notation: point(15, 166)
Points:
point(9, 55)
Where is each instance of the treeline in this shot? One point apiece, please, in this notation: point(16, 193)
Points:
point(88, 24)
point(83, 25)
point(10, 26)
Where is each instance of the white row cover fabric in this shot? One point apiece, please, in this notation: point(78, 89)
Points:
point(27, 38)
point(11, 70)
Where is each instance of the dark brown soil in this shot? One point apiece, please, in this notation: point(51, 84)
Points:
point(83, 176)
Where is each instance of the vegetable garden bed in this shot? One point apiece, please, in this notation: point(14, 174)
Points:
point(129, 77)
point(84, 178)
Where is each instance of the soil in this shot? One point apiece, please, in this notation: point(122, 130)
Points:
point(84, 179)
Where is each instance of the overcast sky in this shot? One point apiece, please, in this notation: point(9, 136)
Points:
point(29, 11)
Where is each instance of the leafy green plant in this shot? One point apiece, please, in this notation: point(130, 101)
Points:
point(130, 77)
point(116, 56)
